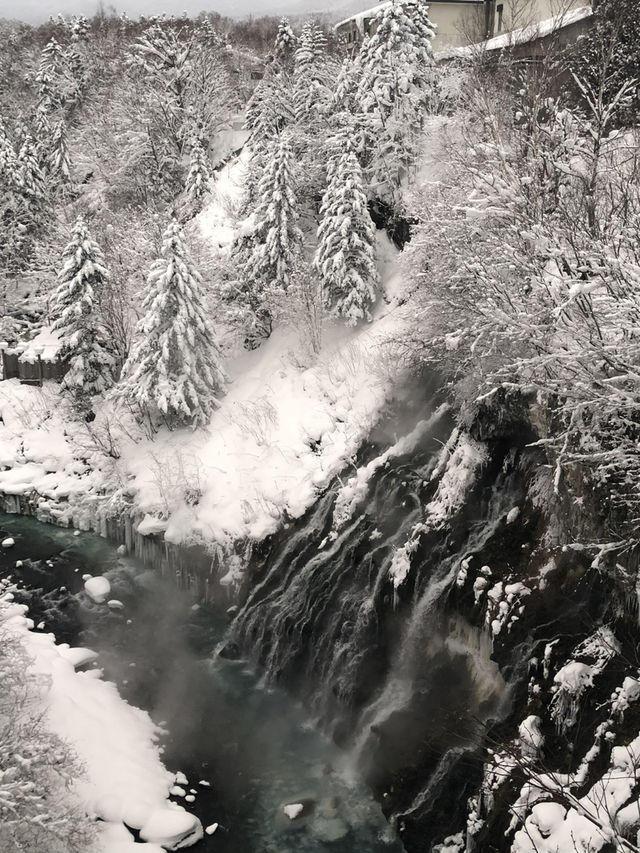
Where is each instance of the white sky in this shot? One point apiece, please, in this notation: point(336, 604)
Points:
point(36, 11)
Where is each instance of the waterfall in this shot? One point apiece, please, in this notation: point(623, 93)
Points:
point(400, 679)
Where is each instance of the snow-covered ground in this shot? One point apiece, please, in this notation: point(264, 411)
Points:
point(284, 429)
point(125, 781)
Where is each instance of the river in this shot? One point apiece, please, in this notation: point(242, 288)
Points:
point(254, 745)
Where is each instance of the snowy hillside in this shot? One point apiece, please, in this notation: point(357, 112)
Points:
point(282, 432)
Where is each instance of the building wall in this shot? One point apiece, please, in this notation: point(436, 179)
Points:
point(459, 22)
point(462, 22)
point(523, 13)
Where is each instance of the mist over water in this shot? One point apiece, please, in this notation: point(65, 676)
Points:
point(255, 746)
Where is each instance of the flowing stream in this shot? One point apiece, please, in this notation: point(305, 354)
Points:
point(253, 744)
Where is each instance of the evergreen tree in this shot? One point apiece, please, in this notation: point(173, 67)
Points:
point(77, 73)
point(269, 109)
point(60, 164)
point(9, 188)
point(269, 112)
point(266, 252)
point(50, 68)
point(285, 43)
point(8, 163)
point(394, 90)
point(75, 310)
point(79, 28)
point(312, 93)
point(173, 370)
point(198, 176)
point(276, 239)
point(16, 221)
point(42, 128)
point(346, 123)
point(31, 183)
point(345, 257)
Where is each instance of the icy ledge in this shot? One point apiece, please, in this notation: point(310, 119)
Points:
point(125, 781)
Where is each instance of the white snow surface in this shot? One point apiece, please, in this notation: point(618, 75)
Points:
point(125, 780)
point(293, 810)
point(97, 588)
point(458, 466)
point(46, 342)
point(287, 425)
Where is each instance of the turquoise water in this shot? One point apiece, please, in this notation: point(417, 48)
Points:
point(255, 746)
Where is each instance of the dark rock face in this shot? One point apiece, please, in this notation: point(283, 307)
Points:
point(417, 680)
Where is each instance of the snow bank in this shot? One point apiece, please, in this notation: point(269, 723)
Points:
point(125, 780)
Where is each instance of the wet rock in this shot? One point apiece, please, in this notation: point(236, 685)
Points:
point(230, 651)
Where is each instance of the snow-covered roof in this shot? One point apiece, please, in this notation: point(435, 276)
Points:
point(46, 343)
point(359, 17)
point(523, 35)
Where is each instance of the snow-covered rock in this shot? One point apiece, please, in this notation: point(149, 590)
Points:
point(97, 588)
point(77, 657)
point(293, 810)
point(9, 542)
point(172, 828)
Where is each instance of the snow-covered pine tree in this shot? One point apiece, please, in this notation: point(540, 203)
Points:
point(42, 135)
point(76, 73)
point(79, 28)
point(346, 122)
point(311, 93)
point(394, 90)
point(15, 217)
point(345, 256)
point(276, 239)
point(285, 44)
point(31, 182)
point(197, 182)
point(269, 109)
point(173, 371)
point(59, 162)
point(49, 70)
point(74, 307)
point(9, 181)
point(8, 163)
point(266, 252)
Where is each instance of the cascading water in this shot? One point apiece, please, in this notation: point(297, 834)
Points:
point(405, 686)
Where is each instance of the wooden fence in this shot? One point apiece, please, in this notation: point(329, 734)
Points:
point(32, 373)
